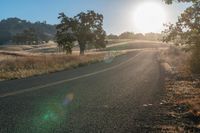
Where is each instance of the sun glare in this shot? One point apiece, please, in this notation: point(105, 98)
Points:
point(149, 17)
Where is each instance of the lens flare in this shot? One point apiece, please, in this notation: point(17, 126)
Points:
point(68, 98)
point(109, 57)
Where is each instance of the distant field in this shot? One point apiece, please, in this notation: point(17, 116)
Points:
point(137, 45)
point(50, 47)
point(115, 44)
point(43, 48)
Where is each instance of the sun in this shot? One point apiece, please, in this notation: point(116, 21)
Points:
point(149, 17)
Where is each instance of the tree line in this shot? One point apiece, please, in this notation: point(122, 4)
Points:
point(137, 36)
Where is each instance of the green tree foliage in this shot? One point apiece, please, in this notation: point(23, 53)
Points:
point(29, 36)
point(138, 36)
point(5, 37)
point(64, 36)
point(187, 32)
point(171, 1)
point(85, 28)
point(127, 35)
point(112, 36)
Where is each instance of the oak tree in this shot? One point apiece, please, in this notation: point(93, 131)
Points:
point(85, 28)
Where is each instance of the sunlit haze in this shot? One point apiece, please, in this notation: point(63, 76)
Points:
point(99, 66)
point(149, 17)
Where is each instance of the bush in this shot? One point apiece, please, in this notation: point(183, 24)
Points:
point(195, 61)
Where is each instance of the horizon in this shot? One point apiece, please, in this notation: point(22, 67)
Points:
point(56, 24)
point(116, 21)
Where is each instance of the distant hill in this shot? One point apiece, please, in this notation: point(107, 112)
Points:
point(11, 27)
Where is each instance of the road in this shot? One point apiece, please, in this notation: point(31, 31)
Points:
point(108, 97)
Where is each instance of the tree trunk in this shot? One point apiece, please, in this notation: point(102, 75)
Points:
point(82, 48)
point(82, 51)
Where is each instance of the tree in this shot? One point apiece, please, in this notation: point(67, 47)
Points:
point(15, 26)
point(171, 1)
point(28, 36)
point(187, 32)
point(153, 36)
point(112, 36)
point(64, 36)
point(5, 37)
point(127, 35)
point(85, 28)
point(139, 36)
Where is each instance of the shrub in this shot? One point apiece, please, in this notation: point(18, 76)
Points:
point(195, 61)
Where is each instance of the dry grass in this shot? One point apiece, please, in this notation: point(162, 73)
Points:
point(21, 66)
point(113, 41)
point(177, 59)
point(182, 88)
point(47, 48)
point(21, 61)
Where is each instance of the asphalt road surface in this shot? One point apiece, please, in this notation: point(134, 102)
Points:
point(113, 96)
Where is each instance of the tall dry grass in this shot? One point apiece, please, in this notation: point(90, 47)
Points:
point(16, 67)
point(195, 60)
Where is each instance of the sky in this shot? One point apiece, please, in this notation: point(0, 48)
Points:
point(118, 14)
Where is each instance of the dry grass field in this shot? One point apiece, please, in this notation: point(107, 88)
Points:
point(14, 66)
point(21, 61)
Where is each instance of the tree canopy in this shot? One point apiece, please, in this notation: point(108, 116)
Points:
point(187, 32)
point(187, 28)
point(171, 1)
point(85, 28)
point(127, 35)
point(137, 36)
point(28, 36)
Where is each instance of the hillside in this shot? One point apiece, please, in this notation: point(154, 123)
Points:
point(11, 27)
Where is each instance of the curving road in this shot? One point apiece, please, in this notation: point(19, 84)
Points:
point(107, 97)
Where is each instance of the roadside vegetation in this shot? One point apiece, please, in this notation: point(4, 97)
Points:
point(186, 33)
point(182, 89)
point(15, 66)
point(182, 66)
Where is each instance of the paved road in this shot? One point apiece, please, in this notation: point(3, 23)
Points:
point(106, 97)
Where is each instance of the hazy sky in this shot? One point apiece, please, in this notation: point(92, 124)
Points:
point(118, 14)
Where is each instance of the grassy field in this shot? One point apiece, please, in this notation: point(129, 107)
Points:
point(136, 45)
point(50, 47)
